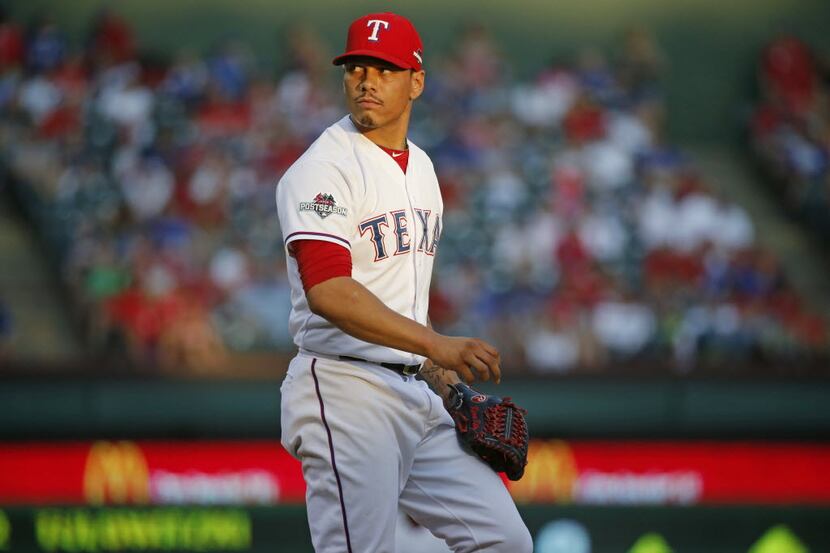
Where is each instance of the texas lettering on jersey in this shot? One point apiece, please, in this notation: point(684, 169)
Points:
point(427, 241)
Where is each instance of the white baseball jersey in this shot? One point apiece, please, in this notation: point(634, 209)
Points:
point(346, 190)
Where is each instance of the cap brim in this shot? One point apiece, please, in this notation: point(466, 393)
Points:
point(397, 62)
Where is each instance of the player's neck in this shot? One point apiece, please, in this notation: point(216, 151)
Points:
point(391, 135)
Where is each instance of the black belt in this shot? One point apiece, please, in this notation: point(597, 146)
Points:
point(406, 370)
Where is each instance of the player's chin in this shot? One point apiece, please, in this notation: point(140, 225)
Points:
point(365, 119)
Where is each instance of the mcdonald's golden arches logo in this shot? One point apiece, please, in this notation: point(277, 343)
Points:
point(550, 475)
point(116, 472)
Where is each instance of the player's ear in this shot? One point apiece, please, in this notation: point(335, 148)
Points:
point(416, 84)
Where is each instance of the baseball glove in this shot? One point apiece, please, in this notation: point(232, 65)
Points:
point(493, 427)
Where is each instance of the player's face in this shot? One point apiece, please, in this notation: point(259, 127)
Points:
point(378, 93)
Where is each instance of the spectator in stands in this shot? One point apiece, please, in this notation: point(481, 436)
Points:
point(6, 330)
point(110, 41)
point(789, 75)
point(641, 65)
point(191, 344)
point(46, 47)
point(790, 128)
point(12, 52)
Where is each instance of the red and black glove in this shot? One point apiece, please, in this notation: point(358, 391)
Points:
point(493, 427)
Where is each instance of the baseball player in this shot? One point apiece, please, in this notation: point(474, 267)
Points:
point(360, 213)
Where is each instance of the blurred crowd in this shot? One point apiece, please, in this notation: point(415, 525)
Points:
point(790, 127)
point(574, 237)
point(6, 330)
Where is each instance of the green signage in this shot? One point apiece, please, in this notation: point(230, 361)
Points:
point(284, 529)
point(651, 543)
point(779, 539)
point(90, 531)
point(5, 531)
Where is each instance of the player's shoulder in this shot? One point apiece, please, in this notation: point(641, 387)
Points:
point(330, 155)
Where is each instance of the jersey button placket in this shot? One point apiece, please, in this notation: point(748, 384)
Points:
point(413, 251)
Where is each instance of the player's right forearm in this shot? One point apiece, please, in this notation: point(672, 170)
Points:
point(355, 310)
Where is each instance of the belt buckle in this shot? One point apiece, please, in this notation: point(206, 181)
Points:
point(411, 370)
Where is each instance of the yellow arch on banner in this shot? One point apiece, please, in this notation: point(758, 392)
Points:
point(550, 475)
point(116, 472)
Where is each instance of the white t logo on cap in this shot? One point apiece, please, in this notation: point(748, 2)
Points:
point(376, 23)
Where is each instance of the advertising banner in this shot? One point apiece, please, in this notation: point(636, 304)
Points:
point(558, 472)
point(284, 529)
point(674, 473)
point(156, 473)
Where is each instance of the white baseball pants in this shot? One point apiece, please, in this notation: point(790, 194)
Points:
point(372, 441)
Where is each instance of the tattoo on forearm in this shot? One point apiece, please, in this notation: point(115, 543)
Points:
point(438, 378)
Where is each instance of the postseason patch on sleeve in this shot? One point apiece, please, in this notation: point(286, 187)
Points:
point(323, 205)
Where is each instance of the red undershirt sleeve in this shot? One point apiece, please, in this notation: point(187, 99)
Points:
point(318, 261)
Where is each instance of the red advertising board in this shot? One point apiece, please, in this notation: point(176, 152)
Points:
point(162, 473)
point(682, 473)
point(262, 473)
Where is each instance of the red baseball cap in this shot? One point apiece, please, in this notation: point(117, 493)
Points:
point(386, 36)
